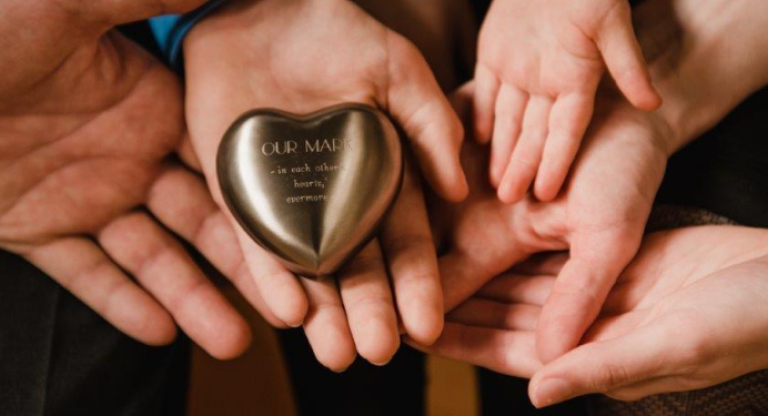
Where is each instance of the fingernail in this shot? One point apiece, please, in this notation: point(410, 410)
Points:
point(339, 371)
point(551, 391)
point(381, 363)
point(295, 325)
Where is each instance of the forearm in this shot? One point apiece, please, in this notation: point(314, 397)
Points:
point(706, 56)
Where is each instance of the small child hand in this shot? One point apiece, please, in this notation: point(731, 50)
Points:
point(539, 65)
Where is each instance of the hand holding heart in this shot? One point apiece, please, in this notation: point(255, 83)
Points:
point(300, 56)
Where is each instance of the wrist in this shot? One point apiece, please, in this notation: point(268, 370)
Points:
point(702, 57)
point(230, 17)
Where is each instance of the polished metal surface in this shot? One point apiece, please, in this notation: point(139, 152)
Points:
point(311, 189)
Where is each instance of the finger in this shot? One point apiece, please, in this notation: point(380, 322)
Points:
point(604, 366)
point(512, 288)
point(486, 90)
point(80, 267)
point(629, 294)
point(180, 200)
point(526, 157)
point(428, 120)
point(164, 269)
point(618, 44)
point(370, 309)
point(491, 314)
point(406, 239)
point(326, 325)
point(279, 288)
point(568, 121)
point(510, 108)
point(610, 327)
point(507, 352)
point(581, 288)
point(462, 99)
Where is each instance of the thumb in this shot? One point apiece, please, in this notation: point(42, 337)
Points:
point(601, 367)
point(622, 54)
point(461, 101)
point(427, 118)
point(581, 288)
point(187, 154)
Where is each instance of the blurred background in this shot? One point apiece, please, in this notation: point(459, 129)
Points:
point(258, 383)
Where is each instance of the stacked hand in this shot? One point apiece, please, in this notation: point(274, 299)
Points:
point(97, 180)
point(89, 190)
point(301, 56)
point(599, 217)
point(689, 312)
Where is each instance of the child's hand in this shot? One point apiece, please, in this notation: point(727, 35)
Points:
point(599, 219)
point(539, 66)
point(301, 56)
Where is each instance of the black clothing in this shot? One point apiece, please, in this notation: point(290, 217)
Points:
point(58, 357)
point(726, 170)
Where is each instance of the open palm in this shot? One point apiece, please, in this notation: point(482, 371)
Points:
point(538, 71)
point(301, 56)
point(687, 313)
point(90, 196)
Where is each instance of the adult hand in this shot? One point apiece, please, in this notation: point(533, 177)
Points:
point(88, 192)
point(689, 312)
point(601, 213)
point(599, 218)
point(301, 56)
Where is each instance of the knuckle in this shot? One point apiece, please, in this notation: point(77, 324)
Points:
point(526, 163)
point(369, 302)
point(611, 376)
point(362, 265)
point(694, 353)
point(402, 49)
point(416, 243)
point(584, 293)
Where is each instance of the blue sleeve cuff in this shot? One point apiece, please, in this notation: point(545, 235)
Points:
point(170, 31)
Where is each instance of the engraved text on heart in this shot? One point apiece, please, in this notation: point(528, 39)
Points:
point(304, 175)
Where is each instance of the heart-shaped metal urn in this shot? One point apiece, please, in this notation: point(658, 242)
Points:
point(311, 189)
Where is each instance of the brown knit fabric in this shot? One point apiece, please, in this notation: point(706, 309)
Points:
point(744, 396)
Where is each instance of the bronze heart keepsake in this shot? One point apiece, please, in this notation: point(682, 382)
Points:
point(311, 189)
